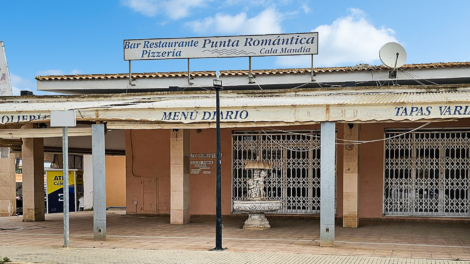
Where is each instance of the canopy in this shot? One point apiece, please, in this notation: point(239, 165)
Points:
point(249, 108)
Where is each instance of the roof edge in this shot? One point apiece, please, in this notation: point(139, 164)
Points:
point(181, 74)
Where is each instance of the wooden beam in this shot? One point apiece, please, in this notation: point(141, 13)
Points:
point(10, 142)
point(43, 132)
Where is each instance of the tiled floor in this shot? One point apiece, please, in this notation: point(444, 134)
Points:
point(377, 239)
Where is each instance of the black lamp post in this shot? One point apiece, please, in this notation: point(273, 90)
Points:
point(218, 203)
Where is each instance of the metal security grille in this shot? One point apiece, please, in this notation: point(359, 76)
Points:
point(427, 173)
point(295, 177)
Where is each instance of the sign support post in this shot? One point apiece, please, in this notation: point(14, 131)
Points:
point(65, 119)
point(65, 178)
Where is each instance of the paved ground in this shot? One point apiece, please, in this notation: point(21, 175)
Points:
point(300, 236)
point(89, 255)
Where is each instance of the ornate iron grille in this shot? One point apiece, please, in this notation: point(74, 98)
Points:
point(295, 177)
point(427, 173)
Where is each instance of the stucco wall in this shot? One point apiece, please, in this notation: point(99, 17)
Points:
point(371, 163)
point(115, 181)
point(151, 150)
point(148, 160)
point(203, 186)
point(148, 171)
point(148, 163)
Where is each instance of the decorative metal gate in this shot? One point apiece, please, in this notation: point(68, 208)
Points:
point(427, 173)
point(295, 177)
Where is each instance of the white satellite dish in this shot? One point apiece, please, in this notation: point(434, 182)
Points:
point(393, 55)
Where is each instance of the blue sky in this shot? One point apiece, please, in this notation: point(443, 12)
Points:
point(83, 37)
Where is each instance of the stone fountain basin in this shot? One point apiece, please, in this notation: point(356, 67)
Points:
point(256, 207)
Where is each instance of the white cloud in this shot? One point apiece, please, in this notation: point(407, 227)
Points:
point(305, 8)
point(257, 2)
point(349, 40)
point(268, 21)
point(15, 90)
point(58, 72)
point(51, 72)
point(145, 7)
point(174, 9)
point(19, 81)
point(18, 84)
point(75, 71)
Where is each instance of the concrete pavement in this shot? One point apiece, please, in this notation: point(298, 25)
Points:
point(104, 255)
point(382, 240)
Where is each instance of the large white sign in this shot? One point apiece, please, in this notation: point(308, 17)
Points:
point(262, 116)
point(222, 47)
point(5, 85)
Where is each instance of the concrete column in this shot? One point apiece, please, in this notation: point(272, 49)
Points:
point(33, 180)
point(179, 149)
point(99, 182)
point(328, 185)
point(88, 181)
point(351, 178)
point(7, 183)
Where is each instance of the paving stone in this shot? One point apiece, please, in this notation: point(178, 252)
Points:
point(288, 235)
point(28, 254)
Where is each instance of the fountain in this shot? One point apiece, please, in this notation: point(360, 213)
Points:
point(257, 205)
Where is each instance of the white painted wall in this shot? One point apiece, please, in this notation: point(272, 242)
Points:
point(88, 181)
point(231, 81)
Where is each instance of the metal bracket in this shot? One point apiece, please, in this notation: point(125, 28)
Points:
point(251, 78)
point(189, 75)
point(130, 75)
point(312, 73)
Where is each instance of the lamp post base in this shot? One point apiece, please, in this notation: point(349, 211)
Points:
point(217, 249)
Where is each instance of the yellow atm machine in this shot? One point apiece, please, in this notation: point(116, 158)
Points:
point(55, 193)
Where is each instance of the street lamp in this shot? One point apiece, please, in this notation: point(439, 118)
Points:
point(218, 201)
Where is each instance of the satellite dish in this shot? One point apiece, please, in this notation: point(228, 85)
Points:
point(393, 55)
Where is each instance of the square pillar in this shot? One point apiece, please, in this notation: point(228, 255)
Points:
point(179, 179)
point(328, 184)
point(99, 181)
point(33, 180)
point(7, 183)
point(351, 177)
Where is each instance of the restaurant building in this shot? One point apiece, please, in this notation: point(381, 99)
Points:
point(402, 145)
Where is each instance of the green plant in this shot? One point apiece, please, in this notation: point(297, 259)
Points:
point(4, 260)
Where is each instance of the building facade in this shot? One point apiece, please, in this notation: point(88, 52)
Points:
point(402, 145)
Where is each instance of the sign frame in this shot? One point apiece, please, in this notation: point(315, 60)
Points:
point(312, 34)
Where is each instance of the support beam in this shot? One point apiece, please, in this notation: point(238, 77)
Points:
point(99, 182)
point(33, 180)
point(43, 132)
point(7, 183)
point(328, 184)
point(179, 207)
point(351, 177)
